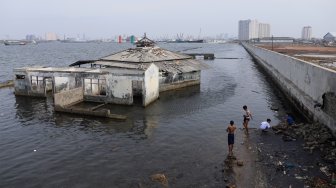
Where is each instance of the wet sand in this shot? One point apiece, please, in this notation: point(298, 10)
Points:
point(245, 151)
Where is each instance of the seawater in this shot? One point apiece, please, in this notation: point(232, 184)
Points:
point(181, 135)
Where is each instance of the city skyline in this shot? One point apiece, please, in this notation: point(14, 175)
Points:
point(106, 19)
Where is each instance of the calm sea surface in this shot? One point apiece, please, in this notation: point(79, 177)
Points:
point(182, 135)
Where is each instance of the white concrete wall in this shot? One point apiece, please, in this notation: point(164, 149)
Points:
point(119, 89)
point(151, 85)
point(303, 81)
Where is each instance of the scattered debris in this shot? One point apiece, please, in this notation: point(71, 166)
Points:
point(232, 157)
point(230, 186)
point(240, 163)
point(325, 170)
point(301, 177)
point(318, 183)
point(275, 108)
point(316, 137)
point(161, 178)
point(255, 91)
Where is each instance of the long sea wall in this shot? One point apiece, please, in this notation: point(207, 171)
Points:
point(311, 88)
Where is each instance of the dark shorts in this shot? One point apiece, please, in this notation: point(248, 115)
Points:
point(230, 139)
point(246, 119)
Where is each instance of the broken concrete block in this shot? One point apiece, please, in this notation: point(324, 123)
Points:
point(161, 178)
point(240, 163)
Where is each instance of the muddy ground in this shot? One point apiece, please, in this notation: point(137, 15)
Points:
point(304, 52)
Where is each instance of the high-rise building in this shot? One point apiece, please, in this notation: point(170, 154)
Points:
point(306, 33)
point(264, 30)
point(249, 29)
point(51, 36)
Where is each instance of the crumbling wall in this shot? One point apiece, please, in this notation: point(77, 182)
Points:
point(65, 98)
point(151, 85)
point(32, 83)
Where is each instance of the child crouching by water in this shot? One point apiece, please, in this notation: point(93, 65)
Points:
point(231, 129)
point(265, 125)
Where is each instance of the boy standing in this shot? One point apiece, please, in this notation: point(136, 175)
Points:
point(247, 117)
point(231, 129)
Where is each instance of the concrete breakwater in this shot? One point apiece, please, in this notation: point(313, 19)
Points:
point(309, 87)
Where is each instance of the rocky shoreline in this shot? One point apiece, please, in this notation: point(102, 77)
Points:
point(303, 155)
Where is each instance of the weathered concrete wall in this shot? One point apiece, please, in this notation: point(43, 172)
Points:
point(69, 97)
point(118, 90)
point(304, 83)
point(150, 85)
point(33, 83)
point(121, 90)
point(175, 81)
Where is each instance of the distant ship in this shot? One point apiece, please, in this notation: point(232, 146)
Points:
point(74, 41)
point(15, 42)
point(187, 41)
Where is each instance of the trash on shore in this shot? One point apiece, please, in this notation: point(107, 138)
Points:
point(315, 135)
point(230, 186)
point(301, 177)
point(318, 182)
point(275, 108)
point(325, 170)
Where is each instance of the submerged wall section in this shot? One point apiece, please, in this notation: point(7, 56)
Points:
point(309, 87)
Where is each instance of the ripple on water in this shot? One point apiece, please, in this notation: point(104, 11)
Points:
point(182, 134)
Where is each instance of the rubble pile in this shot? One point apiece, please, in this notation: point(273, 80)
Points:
point(316, 136)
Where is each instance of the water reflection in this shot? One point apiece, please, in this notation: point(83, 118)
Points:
point(29, 108)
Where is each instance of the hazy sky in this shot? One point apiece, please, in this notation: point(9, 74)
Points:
point(159, 18)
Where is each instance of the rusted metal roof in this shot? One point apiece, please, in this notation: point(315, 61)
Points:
point(176, 66)
point(60, 69)
point(138, 66)
point(145, 55)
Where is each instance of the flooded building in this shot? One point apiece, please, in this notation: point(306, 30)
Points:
point(176, 70)
point(140, 72)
